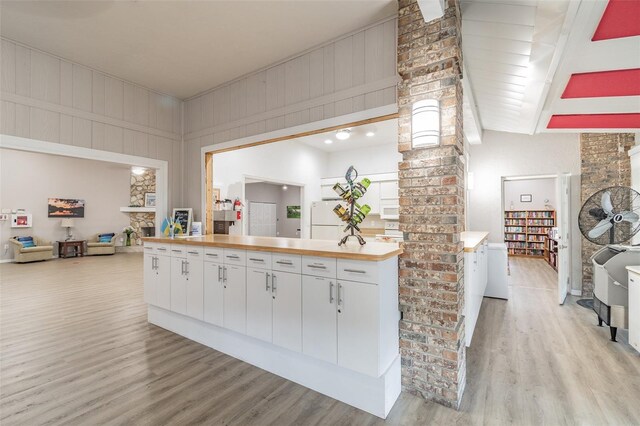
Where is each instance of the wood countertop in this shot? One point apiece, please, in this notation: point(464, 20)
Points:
point(372, 251)
point(473, 239)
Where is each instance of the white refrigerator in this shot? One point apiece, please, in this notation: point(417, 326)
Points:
point(325, 225)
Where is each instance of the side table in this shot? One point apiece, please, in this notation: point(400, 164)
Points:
point(71, 248)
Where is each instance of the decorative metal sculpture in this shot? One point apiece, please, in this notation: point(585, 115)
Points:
point(354, 213)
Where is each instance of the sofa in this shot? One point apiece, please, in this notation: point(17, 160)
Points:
point(95, 247)
point(24, 252)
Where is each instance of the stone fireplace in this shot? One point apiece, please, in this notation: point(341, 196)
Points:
point(143, 223)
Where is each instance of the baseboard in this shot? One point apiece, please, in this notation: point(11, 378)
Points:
point(576, 292)
point(6, 261)
point(375, 395)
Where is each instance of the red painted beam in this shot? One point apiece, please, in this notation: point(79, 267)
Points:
point(603, 84)
point(595, 121)
point(620, 19)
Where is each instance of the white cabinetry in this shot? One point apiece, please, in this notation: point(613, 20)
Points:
point(286, 290)
point(157, 276)
point(235, 298)
point(372, 197)
point(475, 284)
point(259, 304)
point(634, 310)
point(195, 283)
point(319, 318)
point(213, 292)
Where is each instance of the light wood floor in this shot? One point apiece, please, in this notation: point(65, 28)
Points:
point(76, 349)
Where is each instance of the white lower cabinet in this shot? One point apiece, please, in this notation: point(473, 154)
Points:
point(287, 310)
point(319, 318)
point(259, 304)
point(213, 293)
point(634, 310)
point(157, 280)
point(195, 288)
point(178, 285)
point(235, 298)
point(358, 326)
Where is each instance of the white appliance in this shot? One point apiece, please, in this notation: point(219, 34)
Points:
point(497, 281)
point(325, 225)
point(392, 233)
point(390, 211)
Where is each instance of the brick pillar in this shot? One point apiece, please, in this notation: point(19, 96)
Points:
point(432, 208)
point(605, 162)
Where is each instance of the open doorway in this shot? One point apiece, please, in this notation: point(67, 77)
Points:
point(536, 231)
point(273, 209)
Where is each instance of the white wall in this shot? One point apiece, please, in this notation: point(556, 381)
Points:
point(352, 74)
point(377, 159)
point(273, 193)
point(504, 154)
point(50, 99)
point(282, 162)
point(540, 190)
point(28, 179)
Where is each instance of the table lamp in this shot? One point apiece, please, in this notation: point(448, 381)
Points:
point(67, 223)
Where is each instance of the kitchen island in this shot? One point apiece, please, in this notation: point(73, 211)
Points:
point(320, 315)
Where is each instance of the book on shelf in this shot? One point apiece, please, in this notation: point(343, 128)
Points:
point(525, 231)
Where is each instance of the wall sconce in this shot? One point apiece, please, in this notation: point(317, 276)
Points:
point(425, 123)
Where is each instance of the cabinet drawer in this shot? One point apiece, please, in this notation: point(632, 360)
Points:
point(178, 250)
point(194, 252)
point(235, 257)
point(259, 259)
point(319, 266)
point(358, 270)
point(286, 262)
point(157, 248)
point(213, 254)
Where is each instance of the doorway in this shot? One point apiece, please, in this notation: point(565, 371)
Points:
point(536, 231)
point(274, 209)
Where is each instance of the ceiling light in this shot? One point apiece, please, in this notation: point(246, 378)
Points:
point(343, 134)
point(370, 134)
point(137, 170)
point(284, 187)
point(328, 141)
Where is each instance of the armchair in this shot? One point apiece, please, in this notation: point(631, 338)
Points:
point(95, 247)
point(42, 250)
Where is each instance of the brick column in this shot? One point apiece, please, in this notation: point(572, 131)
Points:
point(432, 208)
point(605, 162)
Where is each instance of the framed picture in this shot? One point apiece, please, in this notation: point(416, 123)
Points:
point(65, 207)
point(150, 199)
point(183, 216)
point(293, 212)
point(526, 198)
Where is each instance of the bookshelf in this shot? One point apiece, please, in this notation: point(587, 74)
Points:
point(551, 252)
point(526, 231)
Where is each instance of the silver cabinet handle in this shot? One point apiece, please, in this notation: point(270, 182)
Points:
point(284, 262)
point(212, 254)
point(256, 260)
point(219, 273)
point(317, 266)
point(266, 281)
point(182, 267)
point(273, 285)
point(339, 295)
point(355, 271)
point(148, 248)
point(176, 251)
point(157, 263)
point(186, 267)
point(330, 291)
point(224, 274)
point(161, 249)
point(233, 256)
point(193, 252)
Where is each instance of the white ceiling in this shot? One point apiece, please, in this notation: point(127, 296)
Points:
point(508, 48)
point(183, 47)
point(385, 133)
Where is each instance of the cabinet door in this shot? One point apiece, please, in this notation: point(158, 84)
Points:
point(163, 282)
point(358, 326)
point(327, 192)
point(319, 318)
point(287, 310)
point(150, 278)
point(178, 286)
point(634, 310)
point(195, 288)
point(389, 190)
point(235, 298)
point(372, 197)
point(259, 304)
point(213, 293)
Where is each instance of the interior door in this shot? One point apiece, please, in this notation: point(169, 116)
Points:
point(262, 219)
point(564, 234)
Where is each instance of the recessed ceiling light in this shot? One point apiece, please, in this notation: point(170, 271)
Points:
point(343, 134)
point(137, 171)
point(328, 141)
point(284, 187)
point(370, 134)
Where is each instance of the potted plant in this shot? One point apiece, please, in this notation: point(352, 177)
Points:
point(128, 231)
